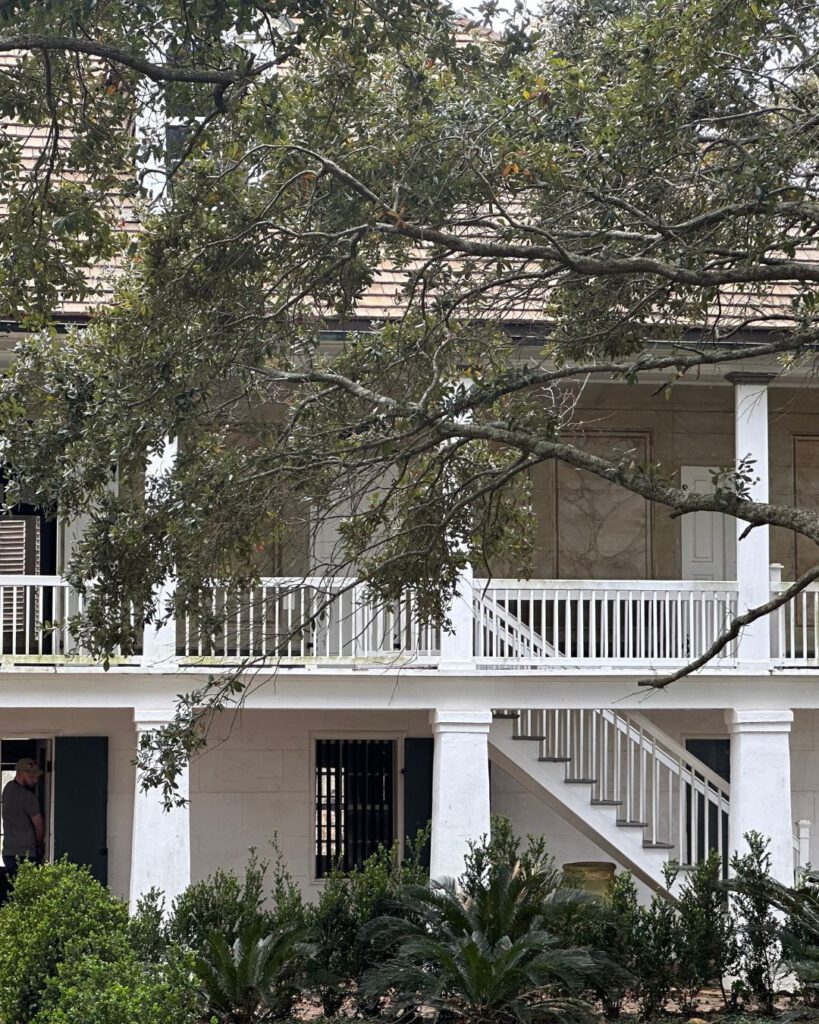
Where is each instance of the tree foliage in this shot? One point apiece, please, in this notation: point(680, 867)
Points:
point(602, 191)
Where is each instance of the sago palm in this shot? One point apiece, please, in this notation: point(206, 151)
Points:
point(251, 980)
point(487, 955)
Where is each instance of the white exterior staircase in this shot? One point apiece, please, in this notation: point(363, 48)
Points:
point(621, 781)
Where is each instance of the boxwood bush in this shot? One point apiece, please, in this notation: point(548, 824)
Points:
point(124, 990)
point(54, 913)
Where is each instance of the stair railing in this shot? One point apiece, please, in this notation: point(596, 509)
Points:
point(500, 632)
point(654, 783)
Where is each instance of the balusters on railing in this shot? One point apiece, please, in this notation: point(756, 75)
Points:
point(306, 618)
point(682, 804)
point(795, 625)
point(35, 612)
point(601, 622)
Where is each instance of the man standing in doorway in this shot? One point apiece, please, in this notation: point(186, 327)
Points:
point(23, 826)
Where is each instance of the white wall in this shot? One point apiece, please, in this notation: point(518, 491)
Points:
point(528, 814)
point(255, 779)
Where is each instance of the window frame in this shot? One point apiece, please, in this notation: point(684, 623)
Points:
point(397, 738)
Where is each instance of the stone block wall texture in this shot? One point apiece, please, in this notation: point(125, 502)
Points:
point(255, 779)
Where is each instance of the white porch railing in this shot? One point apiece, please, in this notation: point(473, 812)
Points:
point(34, 615)
point(537, 624)
point(603, 622)
point(795, 628)
point(307, 619)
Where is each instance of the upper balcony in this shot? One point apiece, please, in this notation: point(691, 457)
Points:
point(617, 584)
point(547, 626)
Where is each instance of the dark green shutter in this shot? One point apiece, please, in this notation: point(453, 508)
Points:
point(417, 787)
point(81, 802)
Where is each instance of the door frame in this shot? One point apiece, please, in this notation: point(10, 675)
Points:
point(48, 795)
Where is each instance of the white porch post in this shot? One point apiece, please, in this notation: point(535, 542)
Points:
point(460, 787)
point(753, 551)
point(761, 785)
point(456, 647)
point(161, 842)
point(159, 643)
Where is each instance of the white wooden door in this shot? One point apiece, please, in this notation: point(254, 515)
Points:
point(709, 545)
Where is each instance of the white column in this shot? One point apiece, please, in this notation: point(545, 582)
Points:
point(753, 551)
point(761, 785)
point(161, 841)
point(159, 643)
point(456, 647)
point(460, 787)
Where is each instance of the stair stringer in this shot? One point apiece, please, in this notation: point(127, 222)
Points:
point(572, 802)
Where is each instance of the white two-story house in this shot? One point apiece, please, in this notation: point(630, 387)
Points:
point(360, 727)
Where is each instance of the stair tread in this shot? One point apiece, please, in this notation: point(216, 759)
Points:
point(533, 736)
point(580, 782)
point(657, 846)
point(623, 823)
point(555, 760)
point(607, 803)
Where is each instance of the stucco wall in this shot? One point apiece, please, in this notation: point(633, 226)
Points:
point(693, 426)
point(255, 779)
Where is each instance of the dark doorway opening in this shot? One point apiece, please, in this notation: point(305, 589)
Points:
point(715, 753)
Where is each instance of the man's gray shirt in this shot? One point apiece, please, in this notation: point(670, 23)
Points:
point(20, 805)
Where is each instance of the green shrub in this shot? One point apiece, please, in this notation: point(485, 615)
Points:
point(759, 930)
point(341, 952)
point(124, 990)
point(502, 849)
point(223, 904)
point(657, 937)
point(483, 952)
point(56, 912)
point(255, 979)
point(667, 949)
point(707, 944)
point(147, 931)
point(611, 924)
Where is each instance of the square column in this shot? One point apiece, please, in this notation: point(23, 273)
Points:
point(460, 787)
point(761, 785)
point(457, 653)
point(753, 551)
point(161, 840)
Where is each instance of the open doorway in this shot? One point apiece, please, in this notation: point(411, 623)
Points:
point(40, 751)
point(72, 792)
point(715, 753)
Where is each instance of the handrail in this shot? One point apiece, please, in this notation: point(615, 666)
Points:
point(18, 580)
point(677, 750)
point(631, 765)
point(704, 586)
point(508, 621)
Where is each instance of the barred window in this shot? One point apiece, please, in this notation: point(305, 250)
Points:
point(355, 801)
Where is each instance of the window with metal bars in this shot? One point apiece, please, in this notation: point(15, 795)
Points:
point(355, 801)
